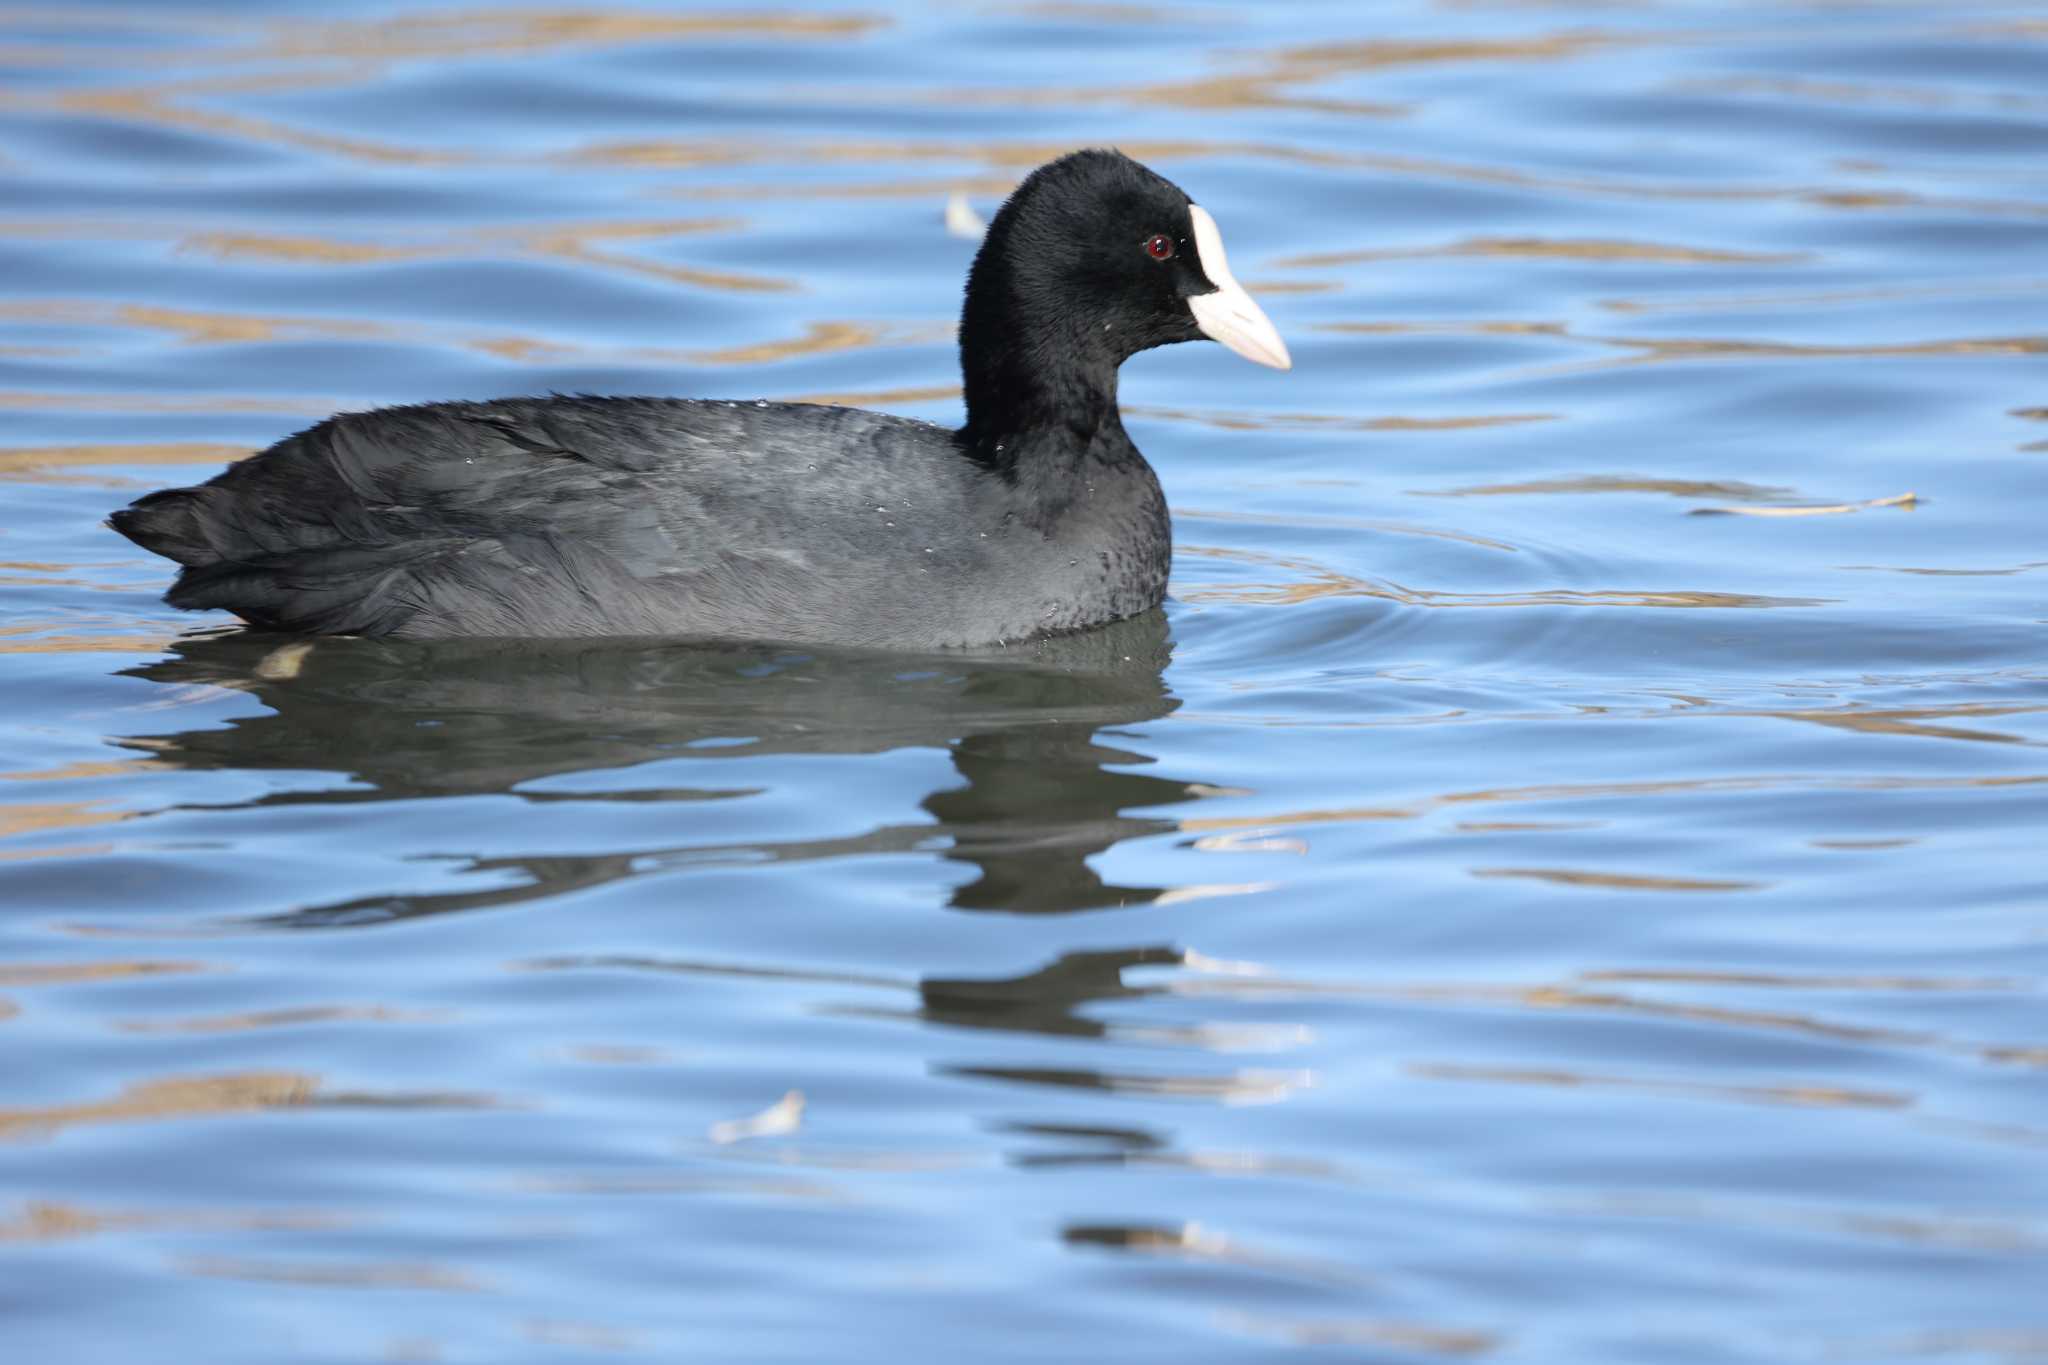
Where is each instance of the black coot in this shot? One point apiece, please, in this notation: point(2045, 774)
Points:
point(584, 516)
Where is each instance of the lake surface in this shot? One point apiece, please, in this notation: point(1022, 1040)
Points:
point(1565, 879)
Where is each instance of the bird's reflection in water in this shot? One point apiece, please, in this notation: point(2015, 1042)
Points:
point(1059, 1000)
point(1026, 728)
point(1048, 1000)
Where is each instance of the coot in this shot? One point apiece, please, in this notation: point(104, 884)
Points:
point(693, 519)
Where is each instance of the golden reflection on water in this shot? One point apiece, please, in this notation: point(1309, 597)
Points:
point(50, 465)
point(468, 33)
point(1854, 716)
point(301, 249)
point(1824, 298)
point(246, 1021)
point(1248, 90)
point(2008, 1346)
point(1804, 981)
point(1317, 582)
point(1297, 421)
point(76, 973)
point(43, 817)
point(192, 327)
point(824, 338)
point(142, 107)
point(24, 855)
point(1310, 520)
point(1657, 350)
point(569, 242)
point(368, 47)
point(43, 1220)
point(1270, 78)
point(1948, 573)
point(1797, 1096)
point(178, 1098)
point(1616, 881)
point(334, 1275)
point(128, 401)
point(1905, 721)
point(1017, 157)
point(935, 189)
point(1590, 791)
point(151, 642)
point(37, 576)
point(1546, 248)
point(1660, 350)
point(868, 398)
point(577, 250)
point(1615, 483)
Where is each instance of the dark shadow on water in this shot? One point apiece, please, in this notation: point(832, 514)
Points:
point(1050, 1000)
point(1032, 731)
point(1053, 1000)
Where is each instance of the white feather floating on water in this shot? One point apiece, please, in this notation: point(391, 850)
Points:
point(783, 1116)
point(961, 219)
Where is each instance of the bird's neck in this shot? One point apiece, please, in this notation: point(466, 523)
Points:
point(1039, 390)
point(1030, 409)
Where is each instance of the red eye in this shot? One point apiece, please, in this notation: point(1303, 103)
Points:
point(1160, 247)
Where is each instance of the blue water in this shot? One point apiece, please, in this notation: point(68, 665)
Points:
point(1564, 880)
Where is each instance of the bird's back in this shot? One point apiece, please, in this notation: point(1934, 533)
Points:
point(617, 517)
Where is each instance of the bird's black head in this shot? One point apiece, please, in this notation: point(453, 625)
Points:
point(1093, 259)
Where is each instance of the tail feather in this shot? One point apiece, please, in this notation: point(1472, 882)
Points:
point(437, 519)
point(176, 523)
point(354, 590)
point(284, 542)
